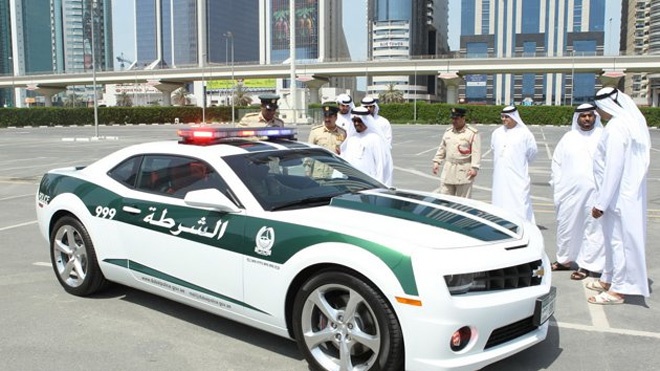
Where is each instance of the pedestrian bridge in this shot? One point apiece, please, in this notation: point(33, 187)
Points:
point(450, 69)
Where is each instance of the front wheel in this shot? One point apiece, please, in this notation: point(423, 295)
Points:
point(342, 323)
point(74, 259)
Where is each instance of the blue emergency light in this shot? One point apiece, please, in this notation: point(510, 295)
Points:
point(207, 135)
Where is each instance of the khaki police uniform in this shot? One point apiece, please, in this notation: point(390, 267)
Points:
point(330, 139)
point(257, 120)
point(461, 151)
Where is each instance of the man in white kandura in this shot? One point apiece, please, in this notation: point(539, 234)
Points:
point(346, 105)
point(382, 123)
point(579, 236)
point(365, 149)
point(620, 168)
point(514, 148)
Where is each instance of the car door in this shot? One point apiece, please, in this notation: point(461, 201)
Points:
point(178, 248)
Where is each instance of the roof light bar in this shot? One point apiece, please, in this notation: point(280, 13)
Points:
point(206, 135)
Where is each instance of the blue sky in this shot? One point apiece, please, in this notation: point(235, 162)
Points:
point(354, 24)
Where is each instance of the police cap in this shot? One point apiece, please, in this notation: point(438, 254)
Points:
point(458, 112)
point(329, 109)
point(269, 101)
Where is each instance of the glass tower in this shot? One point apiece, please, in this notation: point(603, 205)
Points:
point(511, 28)
point(167, 32)
point(403, 29)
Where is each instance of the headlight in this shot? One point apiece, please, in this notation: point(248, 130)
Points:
point(459, 283)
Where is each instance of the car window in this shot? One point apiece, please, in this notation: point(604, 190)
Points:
point(177, 175)
point(126, 172)
point(278, 179)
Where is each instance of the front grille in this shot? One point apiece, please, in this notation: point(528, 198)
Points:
point(514, 277)
point(510, 332)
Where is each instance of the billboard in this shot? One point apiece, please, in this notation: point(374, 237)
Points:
point(247, 84)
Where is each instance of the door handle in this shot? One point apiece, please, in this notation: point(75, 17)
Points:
point(131, 209)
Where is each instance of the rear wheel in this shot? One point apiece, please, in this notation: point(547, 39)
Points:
point(74, 259)
point(342, 323)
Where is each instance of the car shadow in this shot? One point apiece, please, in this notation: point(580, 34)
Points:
point(208, 321)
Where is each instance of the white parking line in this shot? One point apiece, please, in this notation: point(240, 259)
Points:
point(15, 197)
point(42, 264)
point(17, 225)
point(609, 330)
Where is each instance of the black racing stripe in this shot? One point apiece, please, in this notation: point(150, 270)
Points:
point(414, 211)
point(460, 207)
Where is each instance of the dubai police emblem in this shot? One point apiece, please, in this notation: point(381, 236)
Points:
point(264, 241)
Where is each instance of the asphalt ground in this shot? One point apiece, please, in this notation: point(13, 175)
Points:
point(42, 327)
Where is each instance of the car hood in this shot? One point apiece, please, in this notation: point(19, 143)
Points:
point(398, 217)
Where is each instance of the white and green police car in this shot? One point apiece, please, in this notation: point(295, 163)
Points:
point(289, 238)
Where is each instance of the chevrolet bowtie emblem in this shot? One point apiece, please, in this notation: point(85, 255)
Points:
point(538, 272)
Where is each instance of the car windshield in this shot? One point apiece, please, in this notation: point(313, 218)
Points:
point(287, 179)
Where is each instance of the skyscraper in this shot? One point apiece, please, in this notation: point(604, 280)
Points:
point(6, 59)
point(319, 35)
point(169, 33)
point(510, 28)
point(640, 34)
point(403, 29)
point(53, 39)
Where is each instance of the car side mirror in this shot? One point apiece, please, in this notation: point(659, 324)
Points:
point(210, 198)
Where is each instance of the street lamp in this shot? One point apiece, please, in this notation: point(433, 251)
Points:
point(203, 90)
point(229, 35)
point(12, 92)
point(572, 76)
point(96, 104)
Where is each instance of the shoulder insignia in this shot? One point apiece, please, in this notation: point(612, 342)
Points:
point(471, 128)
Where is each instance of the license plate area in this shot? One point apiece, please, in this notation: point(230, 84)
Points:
point(545, 307)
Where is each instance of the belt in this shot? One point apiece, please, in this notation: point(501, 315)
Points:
point(458, 162)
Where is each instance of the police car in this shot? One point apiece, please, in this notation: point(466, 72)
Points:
point(363, 277)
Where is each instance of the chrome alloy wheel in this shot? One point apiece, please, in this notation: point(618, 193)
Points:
point(70, 255)
point(340, 329)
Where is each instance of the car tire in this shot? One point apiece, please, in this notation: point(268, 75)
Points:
point(74, 259)
point(341, 322)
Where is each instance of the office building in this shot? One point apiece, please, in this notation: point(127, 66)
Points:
point(53, 39)
point(511, 28)
point(6, 59)
point(180, 33)
point(640, 34)
point(407, 29)
point(319, 38)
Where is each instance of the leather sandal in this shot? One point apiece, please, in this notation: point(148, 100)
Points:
point(557, 266)
point(580, 274)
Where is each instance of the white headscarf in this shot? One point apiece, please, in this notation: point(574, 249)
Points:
point(512, 112)
point(363, 114)
point(371, 101)
point(346, 100)
point(622, 107)
point(586, 107)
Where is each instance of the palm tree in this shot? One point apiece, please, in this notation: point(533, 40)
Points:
point(391, 95)
point(124, 100)
point(180, 97)
point(241, 96)
point(73, 100)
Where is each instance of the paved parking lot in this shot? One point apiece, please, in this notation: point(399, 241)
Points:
point(45, 328)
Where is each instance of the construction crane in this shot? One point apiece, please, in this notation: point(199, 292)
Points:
point(123, 60)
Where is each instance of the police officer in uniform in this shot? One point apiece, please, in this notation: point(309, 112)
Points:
point(266, 117)
point(460, 150)
point(329, 135)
